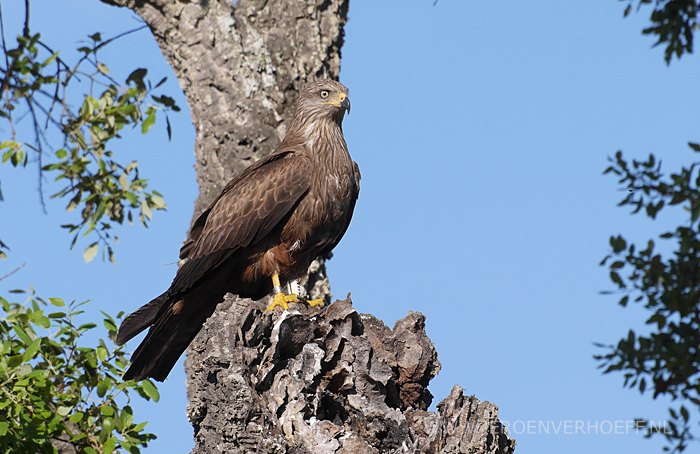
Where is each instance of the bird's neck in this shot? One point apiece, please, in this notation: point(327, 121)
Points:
point(321, 136)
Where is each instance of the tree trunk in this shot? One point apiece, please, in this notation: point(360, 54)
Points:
point(322, 381)
point(304, 380)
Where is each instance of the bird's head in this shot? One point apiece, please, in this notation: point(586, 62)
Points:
point(324, 99)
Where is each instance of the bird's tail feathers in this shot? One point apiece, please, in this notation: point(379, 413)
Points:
point(175, 328)
point(138, 321)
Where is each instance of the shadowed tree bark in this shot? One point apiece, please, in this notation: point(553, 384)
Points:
point(326, 381)
point(304, 380)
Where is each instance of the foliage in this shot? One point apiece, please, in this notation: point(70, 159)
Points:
point(674, 22)
point(56, 393)
point(667, 360)
point(36, 84)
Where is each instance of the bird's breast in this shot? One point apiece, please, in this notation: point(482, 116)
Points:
point(321, 218)
point(340, 193)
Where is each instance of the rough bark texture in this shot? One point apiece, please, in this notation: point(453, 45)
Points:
point(311, 380)
point(305, 380)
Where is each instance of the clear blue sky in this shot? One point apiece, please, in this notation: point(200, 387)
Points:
point(481, 129)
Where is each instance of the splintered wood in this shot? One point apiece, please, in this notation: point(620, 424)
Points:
point(310, 380)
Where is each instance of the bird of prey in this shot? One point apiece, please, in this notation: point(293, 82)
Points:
point(264, 229)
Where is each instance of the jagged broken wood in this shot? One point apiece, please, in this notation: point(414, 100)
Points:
point(331, 380)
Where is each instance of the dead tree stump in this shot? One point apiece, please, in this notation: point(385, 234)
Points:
point(310, 380)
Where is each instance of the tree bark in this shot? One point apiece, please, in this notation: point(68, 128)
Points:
point(304, 380)
point(326, 381)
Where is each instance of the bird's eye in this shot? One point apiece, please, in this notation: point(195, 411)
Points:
point(324, 94)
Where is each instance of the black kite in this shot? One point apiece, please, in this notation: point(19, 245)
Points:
point(263, 230)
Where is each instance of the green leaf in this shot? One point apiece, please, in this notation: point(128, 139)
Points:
point(100, 210)
point(624, 300)
point(148, 123)
point(17, 158)
point(109, 445)
point(63, 411)
point(57, 302)
point(110, 325)
point(90, 252)
point(157, 202)
point(108, 424)
point(86, 326)
point(617, 264)
point(137, 76)
point(146, 210)
point(131, 166)
point(618, 243)
point(657, 318)
point(3, 428)
point(126, 417)
point(76, 417)
point(150, 389)
point(615, 277)
point(140, 427)
point(22, 334)
point(25, 370)
point(102, 388)
point(43, 322)
point(132, 198)
point(31, 350)
point(124, 181)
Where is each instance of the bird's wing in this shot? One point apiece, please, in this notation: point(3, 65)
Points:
point(198, 225)
point(248, 208)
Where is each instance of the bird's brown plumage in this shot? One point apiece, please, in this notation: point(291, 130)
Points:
point(277, 216)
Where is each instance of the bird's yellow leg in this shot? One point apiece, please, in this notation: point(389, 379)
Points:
point(280, 298)
point(283, 300)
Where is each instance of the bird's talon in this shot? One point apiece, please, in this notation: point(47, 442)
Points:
point(282, 300)
point(319, 302)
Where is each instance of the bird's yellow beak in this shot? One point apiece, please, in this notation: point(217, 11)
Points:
point(343, 102)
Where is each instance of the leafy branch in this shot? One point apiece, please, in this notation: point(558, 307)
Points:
point(35, 85)
point(56, 393)
point(674, 22)
point(667, 360)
